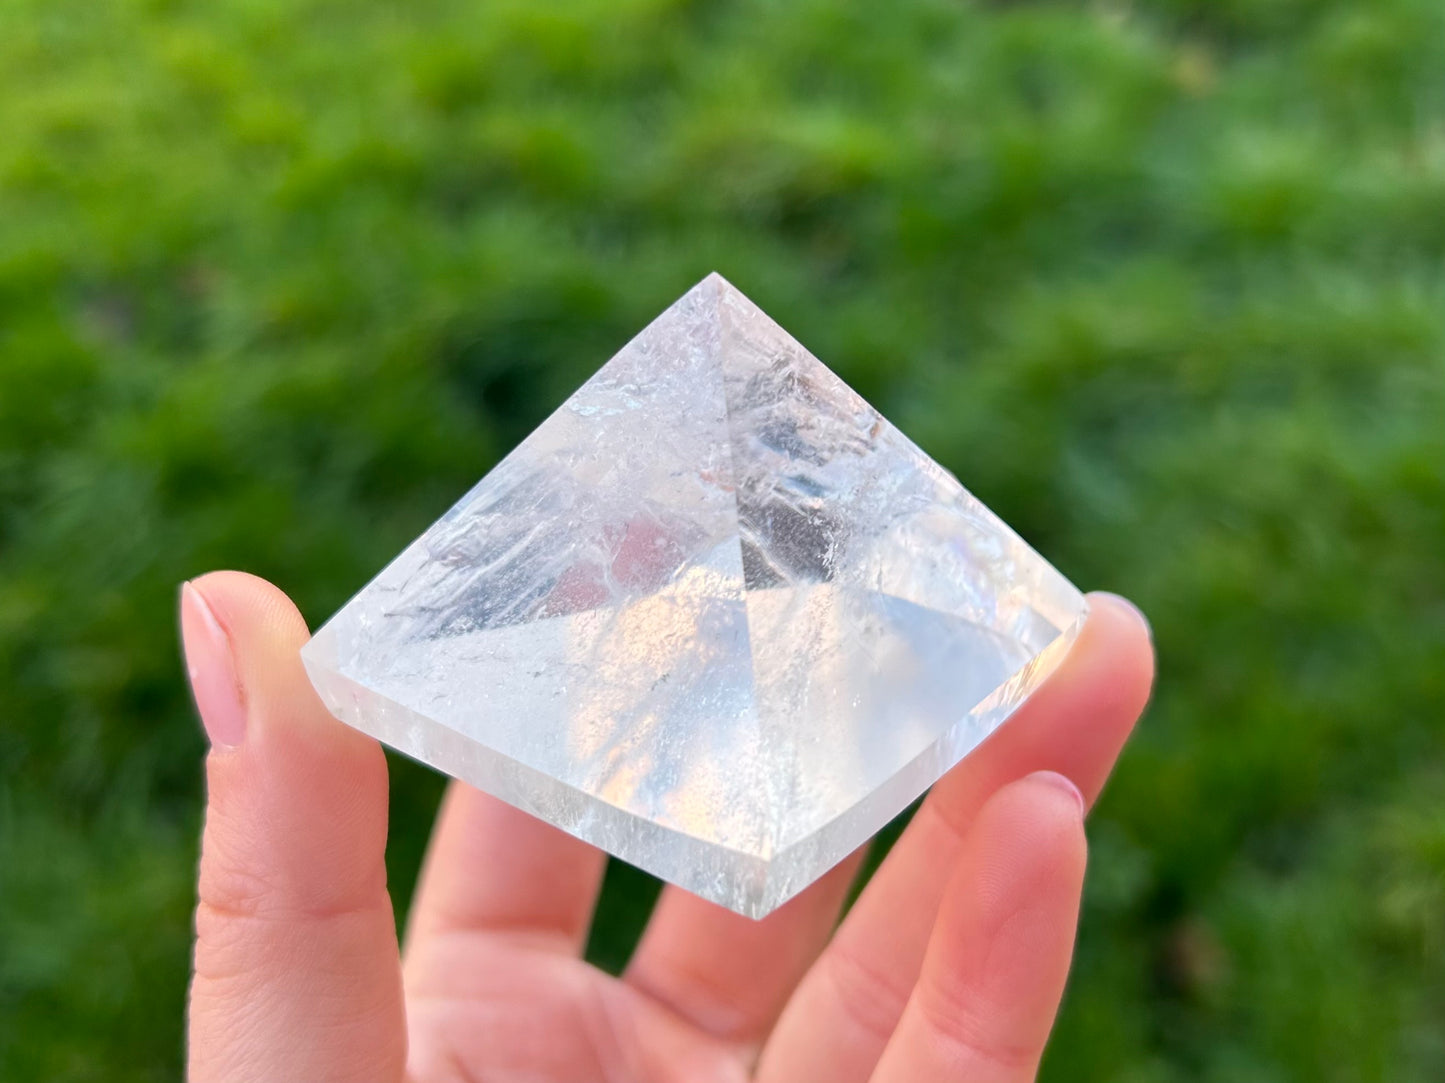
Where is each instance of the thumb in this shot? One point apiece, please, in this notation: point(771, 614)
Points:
point(297, 974)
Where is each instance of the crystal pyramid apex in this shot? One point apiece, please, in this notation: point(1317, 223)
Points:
point(715, 615)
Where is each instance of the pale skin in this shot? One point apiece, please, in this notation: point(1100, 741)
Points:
point(949, 967)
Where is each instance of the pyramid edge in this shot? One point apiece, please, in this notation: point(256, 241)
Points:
point(851, 829)
point(941, 473)
point(712, 279)
point(701, 867)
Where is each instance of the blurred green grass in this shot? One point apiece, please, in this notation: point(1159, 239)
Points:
point(1161, 282)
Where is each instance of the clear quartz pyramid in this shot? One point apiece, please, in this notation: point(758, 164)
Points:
point(715, 615)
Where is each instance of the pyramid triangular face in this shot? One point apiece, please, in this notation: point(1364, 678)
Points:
point(715, 615)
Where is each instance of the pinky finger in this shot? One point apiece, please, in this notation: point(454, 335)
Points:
point(999, 954)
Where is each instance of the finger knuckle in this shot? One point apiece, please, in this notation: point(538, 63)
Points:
point(870, 998)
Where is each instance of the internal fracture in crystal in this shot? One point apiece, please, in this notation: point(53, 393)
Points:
point(715, 616)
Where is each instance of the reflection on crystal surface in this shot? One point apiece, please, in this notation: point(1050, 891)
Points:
point(715, 615)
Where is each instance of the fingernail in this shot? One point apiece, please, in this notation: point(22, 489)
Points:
point(212, 670)
point(1061, 782)
point(1131, 607)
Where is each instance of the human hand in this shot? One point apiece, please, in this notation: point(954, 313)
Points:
point(950, 965)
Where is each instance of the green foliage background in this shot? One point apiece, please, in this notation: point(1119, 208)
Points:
point(1162, 282)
